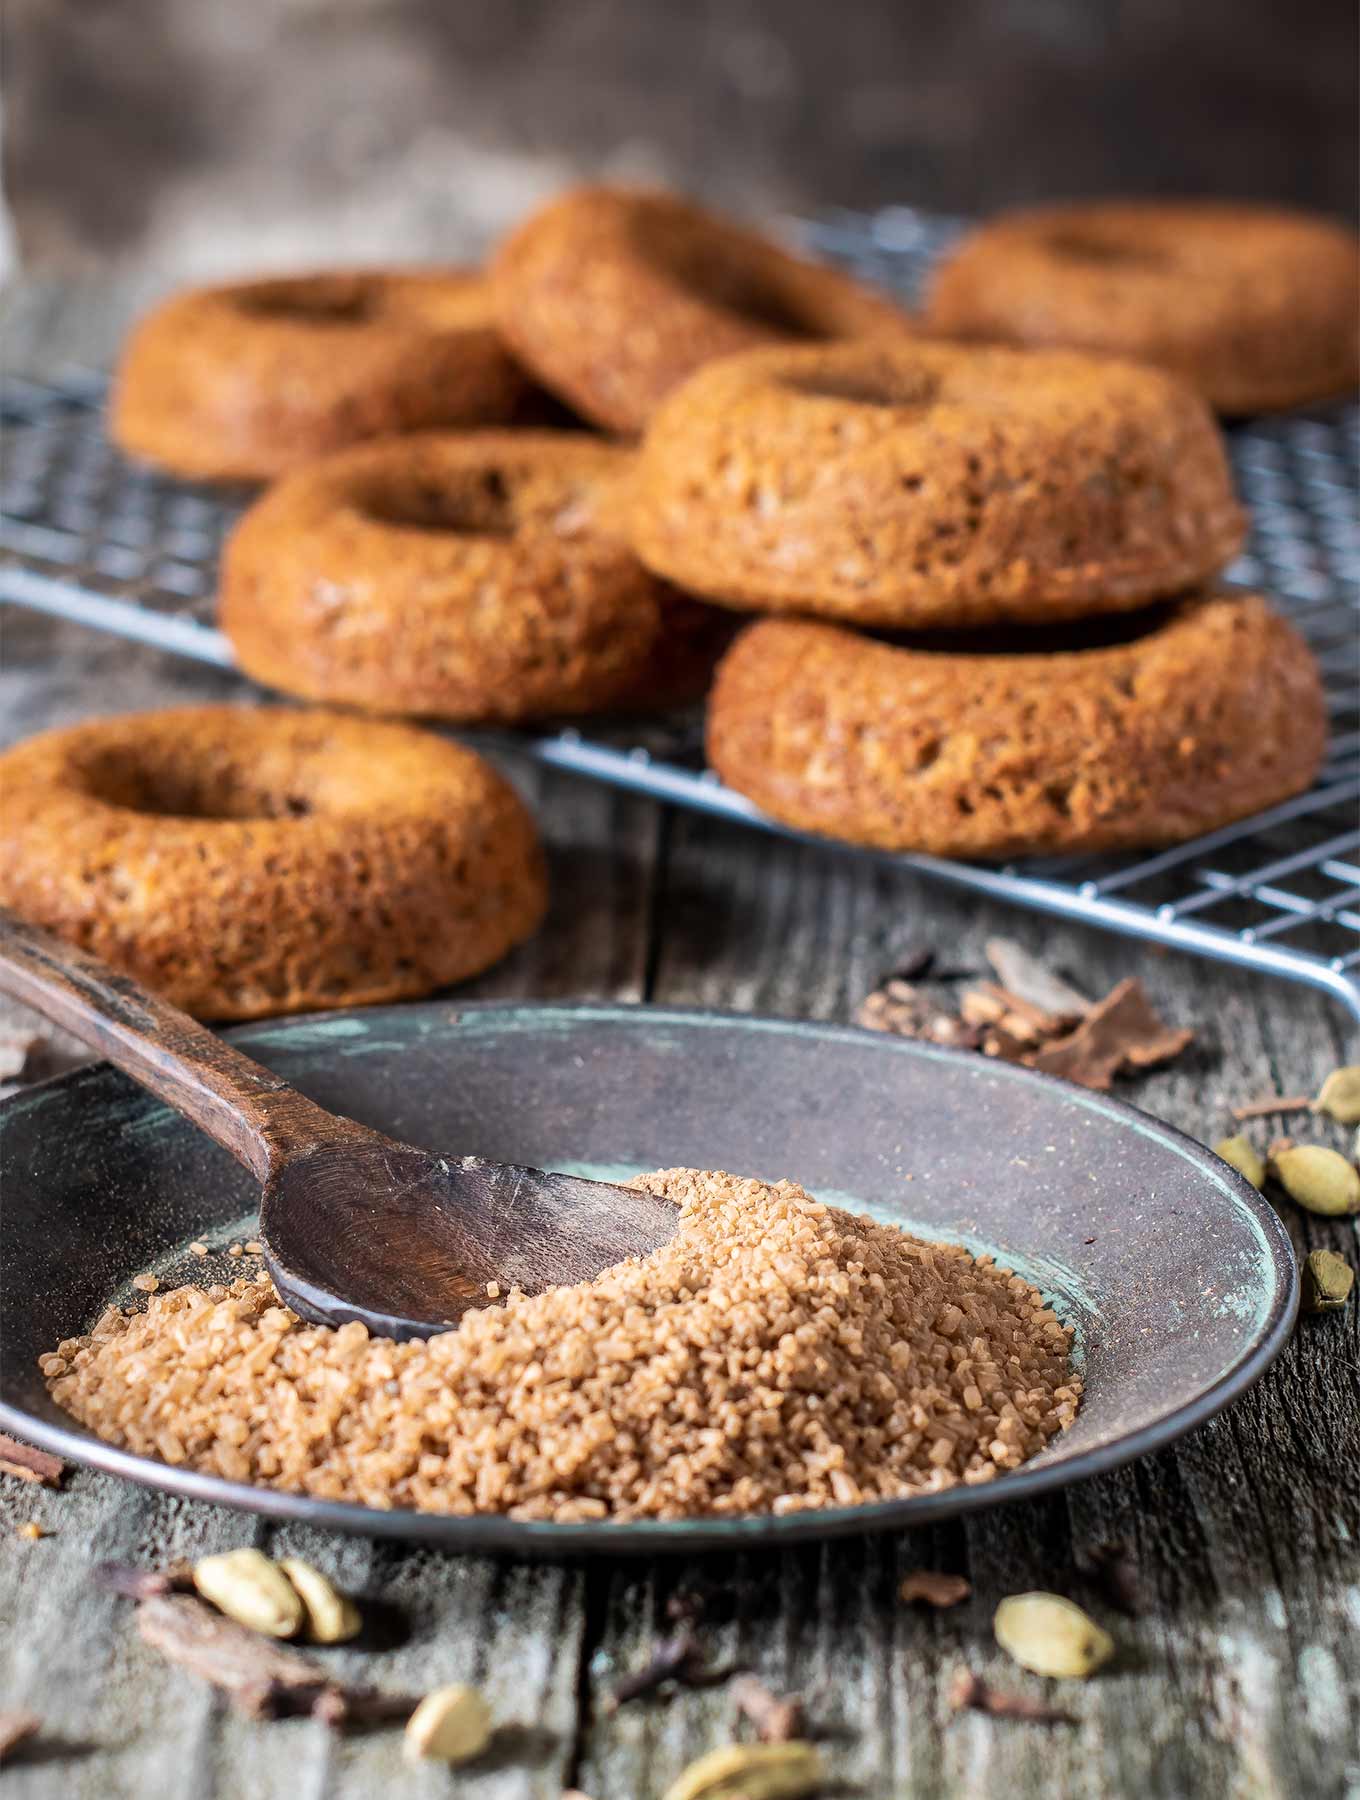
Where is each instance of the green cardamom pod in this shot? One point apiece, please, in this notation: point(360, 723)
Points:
point(1318, 1178)
point(1327, 1281)
point(1051, 1635)
point(1239, 1152)
point(1339, 1096)
point(752, 1772)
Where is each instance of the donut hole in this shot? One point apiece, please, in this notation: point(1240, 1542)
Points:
point(887, 384)
point(313, 301)
point(737, 278)
point(464, 502)
point(1090, 247)
point(220, 789)
point(491, 501)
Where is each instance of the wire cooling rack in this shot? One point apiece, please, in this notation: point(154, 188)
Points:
point(91, 537)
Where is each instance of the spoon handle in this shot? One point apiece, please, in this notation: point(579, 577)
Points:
point(241, 1105)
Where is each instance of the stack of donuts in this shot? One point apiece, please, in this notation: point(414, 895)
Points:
point(980, 541)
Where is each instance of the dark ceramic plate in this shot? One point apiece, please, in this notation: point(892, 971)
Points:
point(1179, 1279)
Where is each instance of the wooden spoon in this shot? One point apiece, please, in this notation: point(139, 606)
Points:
point(354, 1225)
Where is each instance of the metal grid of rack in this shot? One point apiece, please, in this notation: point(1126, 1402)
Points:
point(91, 537)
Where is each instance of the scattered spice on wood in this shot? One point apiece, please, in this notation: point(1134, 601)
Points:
point(17, 1726)
point(930, 1588)
point(915, 960)
point(1047, 1026)
point(686, 1606)
point(1112, 1569)
point(28, 1464)
point(134, 1583)
point(777, 1719)
point(675, 1657)
point(1121, 1034)
point(1268, 1105)
point(263, 1679)
point(1028, 979)
point(968, 1690)
point(907, 1012)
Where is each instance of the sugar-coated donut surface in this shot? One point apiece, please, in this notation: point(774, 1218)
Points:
point(250, 861)
point(240, 382)
point(924, 484)
point(613, 296)
point(1257, 308)
point(1198, 714)
point(478, 576)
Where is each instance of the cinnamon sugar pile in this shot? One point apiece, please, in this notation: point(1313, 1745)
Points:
point(776, 1354)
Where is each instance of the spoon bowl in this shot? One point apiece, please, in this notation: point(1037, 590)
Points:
point(354, 1224)
point(406, 1240)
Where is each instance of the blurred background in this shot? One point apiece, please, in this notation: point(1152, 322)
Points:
point(198, 136)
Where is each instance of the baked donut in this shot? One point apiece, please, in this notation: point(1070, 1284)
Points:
point(1257, 309)
point(249, 861)
point(612, 297)
point(482, 576)
point(930, 485)
point(238, 383)
point(1113, 736)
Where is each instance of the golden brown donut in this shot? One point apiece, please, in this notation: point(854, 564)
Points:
point(1256, 308)
point(241, 382)
point(612, 297)
point(249, 861)
point(482, 576)
point(926, 484)
point(1180, 721)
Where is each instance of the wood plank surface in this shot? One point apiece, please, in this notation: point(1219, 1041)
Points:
point(1240, 1678)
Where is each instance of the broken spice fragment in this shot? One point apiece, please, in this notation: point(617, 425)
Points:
point(29, 1464)
point(926, 1586)
point(1112, 1568)
point(1121, 1033)
point(1032, 981)
point(777, 1719)
point(970, 1690)
point(1086, 1042)
point(17, 1726)
point(263, 1679)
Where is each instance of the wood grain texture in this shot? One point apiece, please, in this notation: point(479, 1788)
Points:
point(1241, 1678)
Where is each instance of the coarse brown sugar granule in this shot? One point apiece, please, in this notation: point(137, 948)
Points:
point(776, 1354)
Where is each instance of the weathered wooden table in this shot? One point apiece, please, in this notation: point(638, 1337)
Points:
point(1242, 1674)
